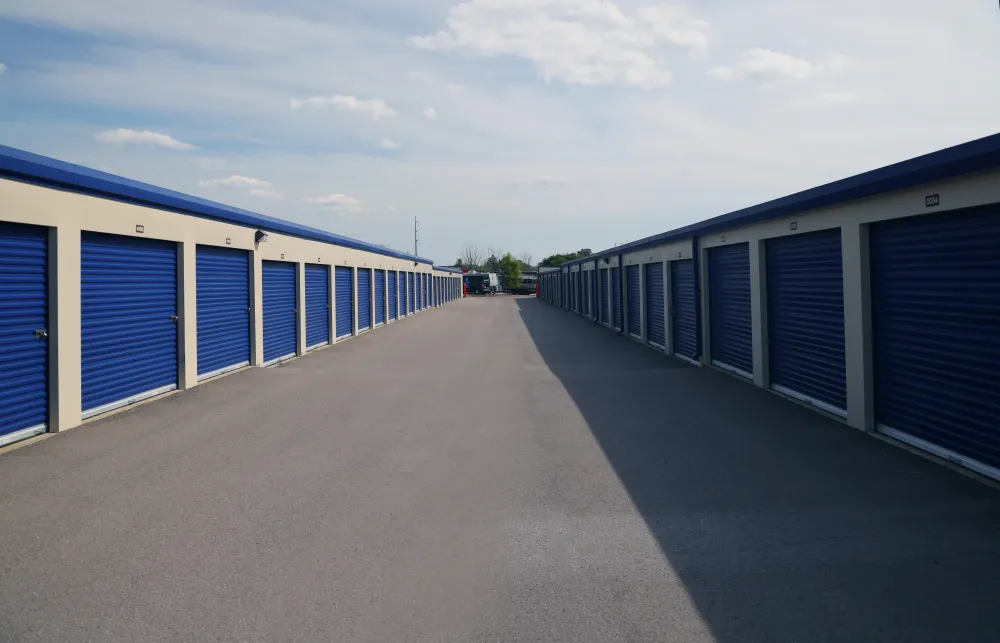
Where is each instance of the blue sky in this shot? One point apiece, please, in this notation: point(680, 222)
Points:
point(534, 126)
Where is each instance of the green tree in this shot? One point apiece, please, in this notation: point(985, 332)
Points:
point(510, 271)
point(559, 259)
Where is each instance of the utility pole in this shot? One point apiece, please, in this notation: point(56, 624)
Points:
point(416, 238)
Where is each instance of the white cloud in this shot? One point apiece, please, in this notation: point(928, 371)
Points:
point(3, 68)
point(431, 113)
point(768, 64)
point(266, 194)
point(389, 144)
point(334, 199)
point(119, 136)
point(422, 76)
point(585, 42)
point(838, 62)
point(237, 181)
point(837, 98)
point(374, 106)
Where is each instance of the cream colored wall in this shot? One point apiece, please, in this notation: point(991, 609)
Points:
point(68, 214)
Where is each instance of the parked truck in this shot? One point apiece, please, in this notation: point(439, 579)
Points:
point(482, 283)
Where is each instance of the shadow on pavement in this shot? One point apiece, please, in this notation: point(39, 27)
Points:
point(784, 525)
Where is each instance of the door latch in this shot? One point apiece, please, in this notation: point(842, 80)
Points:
point(247, 309)
point(173, 318)
point(41, 333)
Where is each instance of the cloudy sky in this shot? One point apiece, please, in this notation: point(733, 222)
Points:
point(537, 126)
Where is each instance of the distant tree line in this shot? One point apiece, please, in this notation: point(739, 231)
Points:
point(490, 260)
point(558, 259)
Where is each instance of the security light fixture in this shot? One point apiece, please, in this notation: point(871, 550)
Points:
point(259, 237)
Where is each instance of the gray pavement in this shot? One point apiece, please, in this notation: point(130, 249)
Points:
point(497, 470)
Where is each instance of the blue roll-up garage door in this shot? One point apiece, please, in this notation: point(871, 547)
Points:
point(616, 297)
point(805, 318)
point(730, 321)
point(128, 309)
point(280, 316)
point(411, 294)
point(684, 309)
point(379, 297)
point(317, 305)
point(595, 294)
point(24, 402)
point(605, 297)
point(223, 309)
point(936, 333)
point(364, 299)
point(633, 291)
point(656, 330)
point(344, 292)
point(393, 295)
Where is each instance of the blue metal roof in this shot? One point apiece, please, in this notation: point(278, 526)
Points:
point(41, 170)
point(966, 158)
point(454, 270)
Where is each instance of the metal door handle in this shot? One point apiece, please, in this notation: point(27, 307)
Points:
point(247, 309)
point(173, 318)
point(41, 333)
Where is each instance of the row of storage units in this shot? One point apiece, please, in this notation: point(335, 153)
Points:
point(875, 299)
point(104, 303)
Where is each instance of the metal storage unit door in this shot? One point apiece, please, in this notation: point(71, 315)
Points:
point(379, 297)
point(805, 318)
point(656, 330)
point(317, 305)
point(364, 299)
point(344, 293)
point(605, 297)
point(936, 333)
point(634, 303)
point(616, 297)
point(224, 308)
point(730, 321)
point(128, 320)
point(595, 294)
point(24, 400)
point(411, 294)
point(684, 309)
point(280, 316)
point(588, 289)
point(393, 295)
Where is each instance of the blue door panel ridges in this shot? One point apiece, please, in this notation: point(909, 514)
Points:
point(317, 305)
point(24, 398)
point(379, 297)
point(805, 318)
point(279, 315)
point(411, 294)
point(684, 308)
point(364, 299)
point(605, 297)
point(128, 320)
point(616, 297)
point(730, 317)
point(936, 332)
point(223, 308)
point(634, 303)
point(393, 295)
point(656, 332)
point(344, 292)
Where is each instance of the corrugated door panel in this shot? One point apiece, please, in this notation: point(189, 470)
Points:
point(634, 303)
point(223, 309)
point(684, 308)
point(616, 297)
point(393, 295)
point(344, 292)
point(379, 297)
point(936, 333)
point(279, 315)
point(656, 329)
point(595, 302)
point(729, 308)
point(128, 308)
point(411, 294)
point(24, 399)
point(587, 289)
point(605, 297)
point(805, 318)
point(364, 299)
point(317, 305)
